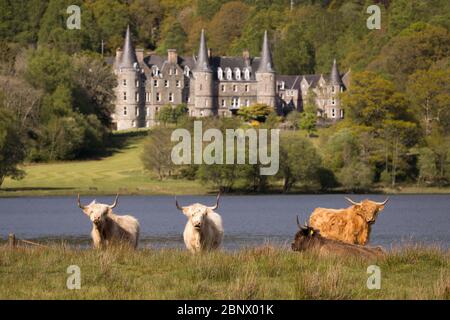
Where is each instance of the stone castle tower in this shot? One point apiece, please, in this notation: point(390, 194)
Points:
point(202, 83)
point(265, 76)
point(128, 92)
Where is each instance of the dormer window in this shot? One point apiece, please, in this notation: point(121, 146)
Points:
point(229, 74)
point(237, 74)
point(155, 71)
point(186, 71)
point(220, 73)
point(247, 74)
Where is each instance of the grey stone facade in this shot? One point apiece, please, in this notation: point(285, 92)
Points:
point(213, 85)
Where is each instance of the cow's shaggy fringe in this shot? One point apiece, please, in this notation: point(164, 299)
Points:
point(266, 272)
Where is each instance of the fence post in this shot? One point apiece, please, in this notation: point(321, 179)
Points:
point(12, 240)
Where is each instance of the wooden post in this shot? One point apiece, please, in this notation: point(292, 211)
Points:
point(12, 240)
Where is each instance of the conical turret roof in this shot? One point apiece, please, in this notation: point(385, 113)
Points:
point(128, 55)
point(202, 63)
point(335, 77)
point(265, 64)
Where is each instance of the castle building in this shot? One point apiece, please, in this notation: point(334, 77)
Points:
point(214, 85)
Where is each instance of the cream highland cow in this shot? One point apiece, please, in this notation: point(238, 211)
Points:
point(109, 228)
point(203, 231)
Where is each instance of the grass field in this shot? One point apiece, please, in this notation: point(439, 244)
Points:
point(121, 172)
point(259, 273)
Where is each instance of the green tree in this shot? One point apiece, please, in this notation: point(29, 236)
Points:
point(372, 99)
point(171, 114)
point(226, 26)
point(257, 112)
point(294, 54)
point(299, 161)
point(173, 38)
point(429, 93)
point(12, 150)
point(156, 156)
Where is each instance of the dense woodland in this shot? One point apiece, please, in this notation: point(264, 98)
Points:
point(56, 90)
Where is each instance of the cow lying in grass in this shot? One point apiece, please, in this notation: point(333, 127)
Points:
point(203, 231)
point(109, 228)
point(309, 239)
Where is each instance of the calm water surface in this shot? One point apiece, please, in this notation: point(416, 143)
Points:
point(248, 220)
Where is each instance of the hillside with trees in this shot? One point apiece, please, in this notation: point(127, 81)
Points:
point(56, 88)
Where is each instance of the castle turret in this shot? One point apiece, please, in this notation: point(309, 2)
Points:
point(202, 84)
point(336, 85)
point(129, 87)
point(265, 76)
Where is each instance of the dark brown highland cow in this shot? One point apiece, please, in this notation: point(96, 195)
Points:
point(308, 238)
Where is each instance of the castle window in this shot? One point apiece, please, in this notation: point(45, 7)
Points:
point(124, 96)
point(170, 72)
point(247, 74)
point(206, 103)
point(342, 113)
point(158, 97)
point(223, 103)
point(171, 97)
point(186, 71)
point(136, 96)
point(176, 71)
point(333, 113)
point(124, 111)
point(332, 89)
point(333, 102)
point(342, 89)
point(133, 124)
point(246, 88)
point(280, 85)
point(235, 88)
point(137, 83)
point(147, 96)
point(147, 124)
point(247, 103)
point(178, 84)
point(222, 87)
point(229, 74)
point(124, 82)
point(166, 83)
point(220, 73)
point(235, 102)
point(237, 73)
point(155, 83)
point(136, 111)
point(147, 111)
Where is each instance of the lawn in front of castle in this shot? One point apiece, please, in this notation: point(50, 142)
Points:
point(122, 171)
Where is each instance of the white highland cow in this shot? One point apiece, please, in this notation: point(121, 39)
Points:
point(203, 231)
point(109, 228)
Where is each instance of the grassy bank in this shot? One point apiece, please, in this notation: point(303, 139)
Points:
point(260, 273)
point(122, 171)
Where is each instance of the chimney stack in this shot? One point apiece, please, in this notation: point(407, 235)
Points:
point(140, 55)
point(246, 56)
point(172, 56)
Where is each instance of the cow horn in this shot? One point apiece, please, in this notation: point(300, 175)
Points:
point(352, 202)
point(217, 202)
point(298, 224)
point(178, 206)
point(79, 202)
point(384, 202)
point(115, 202)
